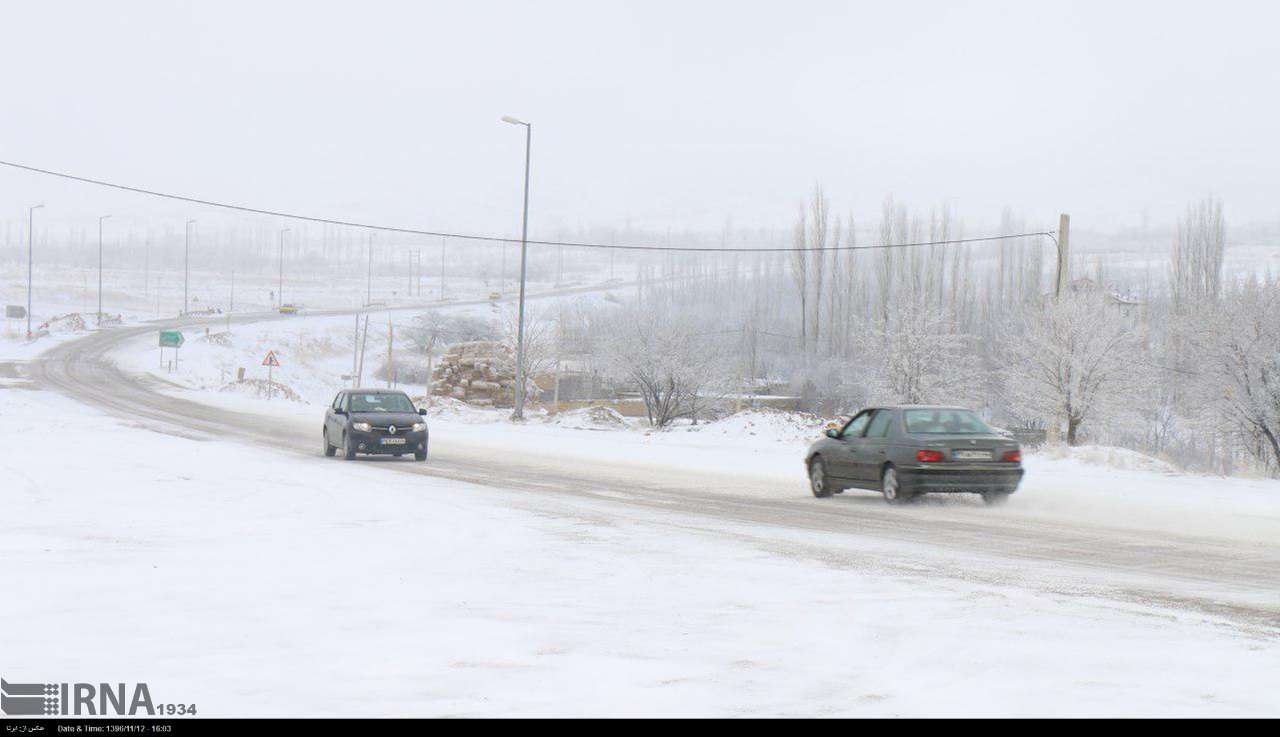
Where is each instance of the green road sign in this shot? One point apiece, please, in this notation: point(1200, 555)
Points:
point(171, 339)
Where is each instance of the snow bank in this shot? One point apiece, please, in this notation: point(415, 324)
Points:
point(768, 425)
point(1109, 457)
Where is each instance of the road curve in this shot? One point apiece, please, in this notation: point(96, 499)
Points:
point(1234, 582)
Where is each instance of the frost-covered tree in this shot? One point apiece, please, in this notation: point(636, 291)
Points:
point(668, 356)
point(1243, 345)
point(922, 358)
point(1074, 357)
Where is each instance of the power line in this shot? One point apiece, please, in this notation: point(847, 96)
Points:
point(498, 239)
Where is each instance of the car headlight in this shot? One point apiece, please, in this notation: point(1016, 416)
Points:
point(419, 426)
point(360, 426)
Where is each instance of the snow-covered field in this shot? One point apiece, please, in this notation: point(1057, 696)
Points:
point(258, 583)
point(252, 581)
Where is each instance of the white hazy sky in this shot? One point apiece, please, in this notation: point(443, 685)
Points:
point(681, 114)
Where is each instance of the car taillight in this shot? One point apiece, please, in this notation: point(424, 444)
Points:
point(929, 456)
point(1013, 456)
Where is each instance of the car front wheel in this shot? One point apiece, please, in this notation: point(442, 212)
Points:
point(329, 450)
point(348, 448)
point(819, 484)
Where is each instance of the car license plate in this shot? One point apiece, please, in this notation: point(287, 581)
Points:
point(971, 455)
point(393, 441)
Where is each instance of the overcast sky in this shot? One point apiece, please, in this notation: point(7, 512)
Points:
point(682, 114)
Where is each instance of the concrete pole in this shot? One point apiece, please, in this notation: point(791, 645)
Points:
point(31, 219)
point(104, 217)
point(1064, 254)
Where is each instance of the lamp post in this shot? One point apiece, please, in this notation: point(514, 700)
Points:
point(186, 270)
point(104, 217)
point(280, 288)
point(31, 218)
point(518, 413)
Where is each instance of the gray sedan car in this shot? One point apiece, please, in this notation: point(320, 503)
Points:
point(913, 449)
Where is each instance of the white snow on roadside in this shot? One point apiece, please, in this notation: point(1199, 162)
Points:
point(259, 583)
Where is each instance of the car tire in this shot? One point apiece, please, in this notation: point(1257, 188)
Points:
point(420, 455)
point(995, 498)
point(329, 450)
point(819, 482)
point(891, 487)
point(348, 448)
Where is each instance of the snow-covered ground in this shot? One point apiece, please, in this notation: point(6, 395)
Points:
point(254, 582)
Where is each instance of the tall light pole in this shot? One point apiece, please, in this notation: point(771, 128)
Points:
point(280, 288)
point(186, 266)
point(31, 219)
point(104, 217)
point(518, 413)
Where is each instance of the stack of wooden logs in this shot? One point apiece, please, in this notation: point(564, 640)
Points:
point(479, 372)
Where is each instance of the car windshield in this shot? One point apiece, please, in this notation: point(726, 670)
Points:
point(381, 403)
point(945, 422)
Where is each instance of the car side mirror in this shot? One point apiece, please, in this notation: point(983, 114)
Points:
point(833, 434)
point(422, 411)
point(339, 411)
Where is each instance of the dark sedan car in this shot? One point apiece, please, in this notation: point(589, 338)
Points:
point(374, 422)
point(908, 450)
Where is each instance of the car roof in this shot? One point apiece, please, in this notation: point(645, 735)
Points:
point(373, 391)
point(926, 406)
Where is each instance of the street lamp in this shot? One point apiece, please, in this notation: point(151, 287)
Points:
point(518, 413)
point(104, 217)
point(186, 266)
point(280, 292)
point(31, 217)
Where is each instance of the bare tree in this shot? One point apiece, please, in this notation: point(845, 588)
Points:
point(1198, 249)
point(819, 208)
point(800, 272)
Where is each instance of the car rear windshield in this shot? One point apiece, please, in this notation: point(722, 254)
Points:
point(945, 422)
point(381, 403)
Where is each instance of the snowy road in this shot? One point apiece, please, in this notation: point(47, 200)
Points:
point(1233, 581)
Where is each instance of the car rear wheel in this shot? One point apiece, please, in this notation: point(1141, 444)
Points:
point(348, 448)
point(891, 487)
point(329, 450)
point(818, 482)
point(995, 498)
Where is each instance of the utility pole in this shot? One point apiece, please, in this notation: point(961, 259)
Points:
point(280, 288)
point(186, 267)
point(31, 219)
point(1064, 254)
point(368, 295)
point(104, 217)
point(518, 414)
point(355, 354)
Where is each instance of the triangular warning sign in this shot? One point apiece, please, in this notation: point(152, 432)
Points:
point(271, 359)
